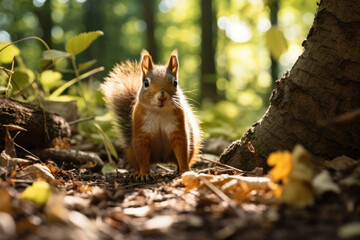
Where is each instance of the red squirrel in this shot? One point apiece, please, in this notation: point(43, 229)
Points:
point(156, 123)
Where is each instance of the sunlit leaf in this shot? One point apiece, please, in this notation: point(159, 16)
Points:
point(39, 192)
point(7, 55)
point(81, 42)
point(50, 79)
point(56, 54)
point(276, 42)
point(3, 89)
point(86, 65)
point(5, 201)
point(106, 141)
point(323, 183)
point(109, 168)
point(21, 77)
point(297, 193)
point(282, 165)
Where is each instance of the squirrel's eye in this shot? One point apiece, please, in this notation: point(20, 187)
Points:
point(146, 83)
point(175, 83)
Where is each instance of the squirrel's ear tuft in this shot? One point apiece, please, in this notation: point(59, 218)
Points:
point(146, 63)
point(173, 64)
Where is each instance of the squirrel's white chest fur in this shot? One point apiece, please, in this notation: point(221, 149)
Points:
point(159, 122)
point(160, 125)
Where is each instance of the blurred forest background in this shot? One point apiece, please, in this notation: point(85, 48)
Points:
point(230, 51)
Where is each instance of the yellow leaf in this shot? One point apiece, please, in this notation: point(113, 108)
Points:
point(81, 42)
point(297, 193)
point(7, 55)
point(276, 42)
point(50, 79)
point(190, 180)
point(5, 201)
point(39, 192)
point(282, 163)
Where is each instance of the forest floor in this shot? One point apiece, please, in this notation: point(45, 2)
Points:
point(79, 202)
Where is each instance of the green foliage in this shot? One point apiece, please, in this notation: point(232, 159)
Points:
point(81, 42)
point(8, 53)
point(109, 168)
point(245, 41)
point(50, 80)
point(49, 83)
point(39, 192)
point(276, 42)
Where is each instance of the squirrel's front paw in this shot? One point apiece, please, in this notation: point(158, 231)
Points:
point(143, 177)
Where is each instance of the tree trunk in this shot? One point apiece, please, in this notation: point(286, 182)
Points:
point(31, 117)
point(208, 71)
point(323, 83)
point(150, 28)
point(44, 16)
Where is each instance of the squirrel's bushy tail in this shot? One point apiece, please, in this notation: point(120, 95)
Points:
point(120, 90)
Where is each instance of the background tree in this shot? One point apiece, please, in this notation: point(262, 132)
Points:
point(208, 70)
point(44, 15)
point(150, 28)
point(323, 83)
point(237, 36)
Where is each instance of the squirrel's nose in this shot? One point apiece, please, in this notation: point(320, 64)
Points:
point(162, 97)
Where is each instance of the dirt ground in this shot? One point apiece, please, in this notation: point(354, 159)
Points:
point(85, 204)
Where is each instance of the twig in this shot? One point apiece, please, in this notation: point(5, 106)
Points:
point(164, 168)
point(27, 151)
point(10, 77)
point(222, 164)
point(82, 120)
point(222, 195)
point(9, 72)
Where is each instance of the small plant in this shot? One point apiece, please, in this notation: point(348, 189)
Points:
point(48, 84)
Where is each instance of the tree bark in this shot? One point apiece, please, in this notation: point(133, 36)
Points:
point(44, 16)
point(31, 117)
point(323, 83)
point(150, 28)
point(208, 70)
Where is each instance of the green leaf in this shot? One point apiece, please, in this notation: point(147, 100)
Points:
point(56, 54)
point(81, 42)
point(50, 79)
point(39, 192)
point(106, 141)
point(3, 89)
point(21, 77)
point(7, 55)
point(109, 168)
point(276, 42)
point(68, 84)
point(86, 65)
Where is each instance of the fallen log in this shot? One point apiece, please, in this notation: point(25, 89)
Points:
point(41, 126)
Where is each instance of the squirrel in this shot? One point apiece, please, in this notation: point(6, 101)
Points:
point(156, 124)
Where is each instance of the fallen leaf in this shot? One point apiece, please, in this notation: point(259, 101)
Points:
point(158, 224)
point(39, 192)
point(282, 165)
point(297, 193)
point(137, 212)
point(7, 226)
point(55, 208)
point(11, 163)
point(37, 171)
point(323, 183)
point(296, 172)
point(5, 201)
point(349, 230)
point(109, 168)
point(341, 163)
point(303, 168)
